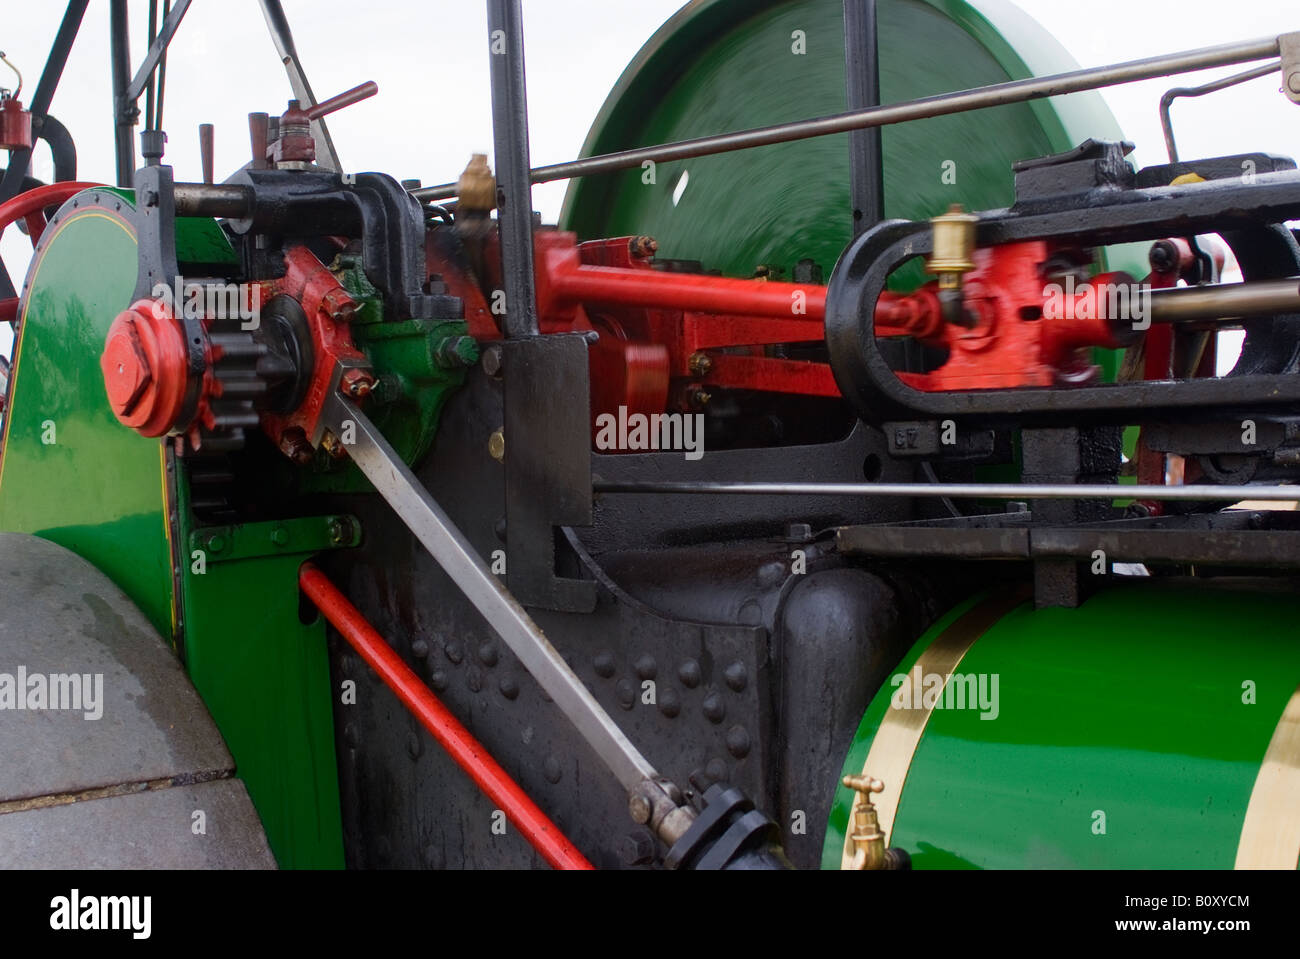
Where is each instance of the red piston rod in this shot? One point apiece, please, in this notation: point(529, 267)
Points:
point(620, 286)
point(467, 751)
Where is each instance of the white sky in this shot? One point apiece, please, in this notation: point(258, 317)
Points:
point(429, 58)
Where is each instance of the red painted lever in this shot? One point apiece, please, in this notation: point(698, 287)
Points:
point(360, 92)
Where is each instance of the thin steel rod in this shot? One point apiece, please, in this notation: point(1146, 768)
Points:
point(434, 529)
point(1004, 491)
point(1167, 101)
point(168, 29)
point(1000, 94)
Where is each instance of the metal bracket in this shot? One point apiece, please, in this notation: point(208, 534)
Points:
point(1289, 47)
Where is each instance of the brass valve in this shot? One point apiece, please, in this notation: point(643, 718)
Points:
point(869, 851)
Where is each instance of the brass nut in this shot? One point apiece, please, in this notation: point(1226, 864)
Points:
point(497, 445)
point(700, 364)
point(332, 445)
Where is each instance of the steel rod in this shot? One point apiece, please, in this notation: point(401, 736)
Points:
point(456, 555)
point(1167, 101)
point(979, 98)
point(1004, 491)
point(467, 752)
point(1225, 301)
point(862, 91)
point(277, 23)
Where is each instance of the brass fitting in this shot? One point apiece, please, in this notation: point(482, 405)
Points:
point(477, 187)
point(954, 246)
point(700, 363)
point(869, 850)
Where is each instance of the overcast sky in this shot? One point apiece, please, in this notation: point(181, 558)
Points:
point(430, 61)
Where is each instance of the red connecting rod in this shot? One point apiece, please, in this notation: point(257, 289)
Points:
point(467, 751)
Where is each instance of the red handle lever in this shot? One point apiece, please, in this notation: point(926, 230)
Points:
point(345, 99)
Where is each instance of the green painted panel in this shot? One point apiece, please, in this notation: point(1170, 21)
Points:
point(70, 472)
point(1131, 706)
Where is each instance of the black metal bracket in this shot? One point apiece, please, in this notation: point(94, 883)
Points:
point(548, 465)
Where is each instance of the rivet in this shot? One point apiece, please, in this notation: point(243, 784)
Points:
point(488, 653)
point(736, 676)
point(669, 703)
point(738, 741)
point(509, 688)
point(645, 667)
point(413, 746)
point(689, 673)
point(716, 769)
point(715, 710)
point(626, 693)
point(604, 664)
point(551, 770)
point(455, 652)
point(474, 678)
point(419, 649)
point(438, 680)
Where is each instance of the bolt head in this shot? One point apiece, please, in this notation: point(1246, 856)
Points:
point(639, 808)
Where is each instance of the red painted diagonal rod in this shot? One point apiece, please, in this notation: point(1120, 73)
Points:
point(468, 752)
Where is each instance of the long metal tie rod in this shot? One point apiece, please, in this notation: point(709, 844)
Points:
point(454, 553)
point(1003, 491)
point(995, 95)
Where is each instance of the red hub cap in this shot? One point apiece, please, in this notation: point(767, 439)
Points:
point(144, 364)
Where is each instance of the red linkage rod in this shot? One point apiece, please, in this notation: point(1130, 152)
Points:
point(468, 752)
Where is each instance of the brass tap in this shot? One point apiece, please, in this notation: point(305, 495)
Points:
point(869, 850)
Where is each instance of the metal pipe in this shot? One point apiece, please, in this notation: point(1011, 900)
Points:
point(1000, 94)
point(862, 90)
point(1003, 491)
point(467, 752)
point(217, 200)
point(510, 153)
point(1225, 301)
point(1167, 101)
